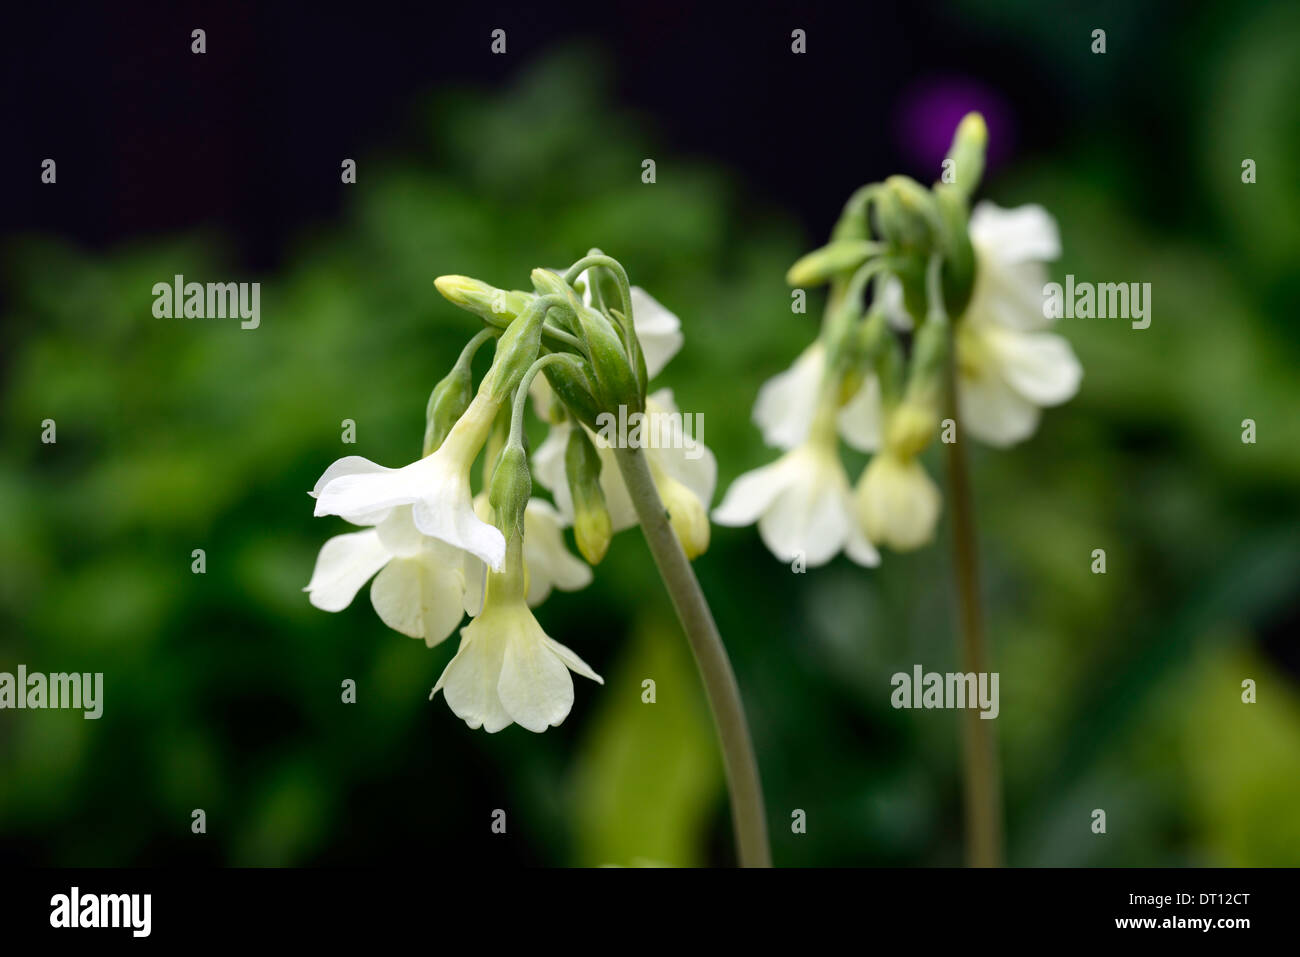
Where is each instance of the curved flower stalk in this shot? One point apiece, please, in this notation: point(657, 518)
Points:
point(584, 344)
point(934, 321)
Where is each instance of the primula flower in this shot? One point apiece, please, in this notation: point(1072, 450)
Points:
point(802, 502)
point(437, 487)
point(787, 404)
point(420, 588)
point(507, 670)
point(1008, 367)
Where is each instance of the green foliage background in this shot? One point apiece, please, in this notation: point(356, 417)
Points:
point(1119, 691)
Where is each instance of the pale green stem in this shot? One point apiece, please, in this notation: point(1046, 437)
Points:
point(982, 785)
point(748, 816)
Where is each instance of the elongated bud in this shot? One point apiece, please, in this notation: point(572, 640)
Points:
point(967, 154)
point(592, 528)
point(517, 349)
point(497, 306)
point(913, 424)
point(575, 384)
point(907, 213)
point(820, 265)
point(686, 513)
point(510, 489)
point(615, 380)
point(447, 403)
point(959, 256)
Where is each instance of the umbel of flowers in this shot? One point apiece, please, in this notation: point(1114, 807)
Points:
point(912, 273)
point(581, 342)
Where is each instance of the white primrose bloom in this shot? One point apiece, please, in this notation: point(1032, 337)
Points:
point(420, 586)
point(437, 487)
point(548, 564)
point(1008, 366)
point(507, 670)
point(788, 402)
point(802, 502)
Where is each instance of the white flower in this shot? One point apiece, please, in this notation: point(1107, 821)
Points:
point(898, 503)
point(420, 586)
point(508, 670)
point(788, 402)
point(437, 487)
point(1008, 366)
point(548, 564)
point(803, 505)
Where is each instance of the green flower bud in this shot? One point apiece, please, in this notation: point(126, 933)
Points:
point(510, 488)
point(575, 384)
point(837, 256)
point(517, 349)
point(592, 527)
point(497, 306)
point(967, 154)
point(911, 427)
point(959, 257)
point(447, 403)
point(907, 213)
point(615, 379)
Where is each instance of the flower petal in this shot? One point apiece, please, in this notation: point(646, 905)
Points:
point(657, 329)
point(752, 494)
point(535, 687)
point(469, 682)
point(421, 597)
point(787, 402)
point(344, 564)
point(447, 514)
point(352, 465)
point(1040, 366)
point(811, 517)
point(572, 661)
point(994, 412)
point(1025, 234)
point(860, 420)
point(359, 493)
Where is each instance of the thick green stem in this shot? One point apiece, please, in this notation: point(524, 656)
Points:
point(982, 786)
point(747, 812)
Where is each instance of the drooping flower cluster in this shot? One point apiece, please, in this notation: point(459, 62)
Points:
point(437, 551)
point(947, 286)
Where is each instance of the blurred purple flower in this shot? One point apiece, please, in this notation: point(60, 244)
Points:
point(928, 115)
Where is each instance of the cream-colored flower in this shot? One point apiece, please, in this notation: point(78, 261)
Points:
point(803, 505)
point(1008, 366)
point(788, 402)
point(508, 670)
point(437, 487)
